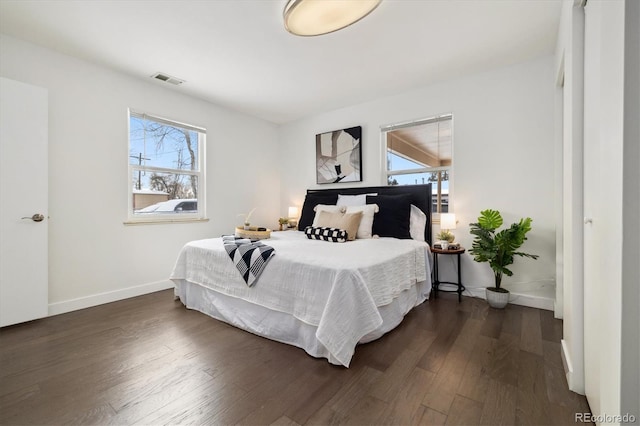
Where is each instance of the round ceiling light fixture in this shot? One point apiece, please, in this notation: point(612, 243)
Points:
point(317, 17)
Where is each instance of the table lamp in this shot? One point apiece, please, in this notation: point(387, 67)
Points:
point(293, 216)
point(447, 222)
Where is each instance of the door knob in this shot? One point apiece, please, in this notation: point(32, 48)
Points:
point(36, 217)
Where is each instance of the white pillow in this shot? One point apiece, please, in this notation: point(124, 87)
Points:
point(366, 224)
point(417, 223)
point(353, 200)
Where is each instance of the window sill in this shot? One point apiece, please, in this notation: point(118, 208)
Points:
point(159, 221)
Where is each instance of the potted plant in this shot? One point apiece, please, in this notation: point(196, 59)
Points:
point(283, 221)
point(499, 249)
point(446, 235)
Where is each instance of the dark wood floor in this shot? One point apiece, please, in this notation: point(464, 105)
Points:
point(148, 360)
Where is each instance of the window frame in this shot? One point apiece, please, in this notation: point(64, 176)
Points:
point(159, 218)
point(386, 173)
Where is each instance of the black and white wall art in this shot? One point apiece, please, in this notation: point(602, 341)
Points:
point(339, 156)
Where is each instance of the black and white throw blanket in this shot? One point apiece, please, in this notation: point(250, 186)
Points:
point(250, 257)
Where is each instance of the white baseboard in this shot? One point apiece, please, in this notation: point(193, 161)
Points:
point(517, 298)
point(566, 360)
point(557, 310)
point(107, 297)
point(572, 380)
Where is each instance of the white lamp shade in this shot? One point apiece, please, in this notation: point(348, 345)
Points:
point(317, 17)
point(293, 212)
point(447, 221)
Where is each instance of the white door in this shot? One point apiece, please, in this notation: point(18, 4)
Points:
point(603, 202)
point(592, 196)
point(23, 193)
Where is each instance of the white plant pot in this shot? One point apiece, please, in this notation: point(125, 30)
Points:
point(496, 299)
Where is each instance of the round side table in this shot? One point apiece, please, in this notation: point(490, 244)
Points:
point(436, 280)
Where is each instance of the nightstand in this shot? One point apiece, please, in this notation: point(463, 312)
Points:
point(436, 280)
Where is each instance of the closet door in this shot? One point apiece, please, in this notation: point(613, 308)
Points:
point(603, 203)
point(592, 196)
point(23, 202)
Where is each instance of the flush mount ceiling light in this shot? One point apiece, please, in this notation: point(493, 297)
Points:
point(317, 17)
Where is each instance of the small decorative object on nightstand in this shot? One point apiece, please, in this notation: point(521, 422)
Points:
point(282, 222)
point(452, 249)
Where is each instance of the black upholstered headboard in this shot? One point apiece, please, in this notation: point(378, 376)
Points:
point(421, 197)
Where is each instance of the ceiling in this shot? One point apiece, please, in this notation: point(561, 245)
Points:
point(236, 53)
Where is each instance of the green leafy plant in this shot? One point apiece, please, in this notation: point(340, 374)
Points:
point(283, 221)
point(445, 236)
point(498, 247)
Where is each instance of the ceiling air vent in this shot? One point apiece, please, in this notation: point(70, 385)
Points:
point(167, 78)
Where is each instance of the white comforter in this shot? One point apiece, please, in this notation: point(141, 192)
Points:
point(336, 287)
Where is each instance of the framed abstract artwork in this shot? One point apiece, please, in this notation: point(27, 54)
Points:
point(339, 156)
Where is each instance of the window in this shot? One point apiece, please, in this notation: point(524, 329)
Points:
point(166, 170)
point(420, 152)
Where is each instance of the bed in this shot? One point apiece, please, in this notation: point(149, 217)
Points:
point(324, 297)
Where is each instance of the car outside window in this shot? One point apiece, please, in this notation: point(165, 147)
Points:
point(166, 169)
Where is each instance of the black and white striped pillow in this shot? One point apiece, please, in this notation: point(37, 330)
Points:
point(333, 235)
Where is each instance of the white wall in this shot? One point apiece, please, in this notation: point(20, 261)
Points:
point(503, 156)
point(94, 257)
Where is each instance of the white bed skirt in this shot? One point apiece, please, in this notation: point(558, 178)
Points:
point(283, 327)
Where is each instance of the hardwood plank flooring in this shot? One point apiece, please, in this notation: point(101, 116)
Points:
point(149, 361)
